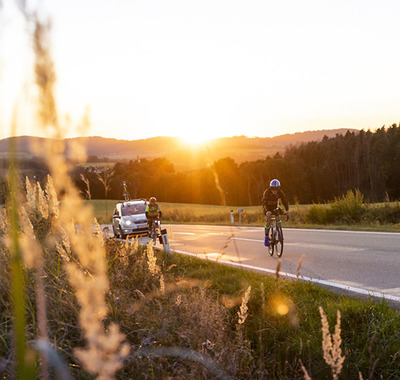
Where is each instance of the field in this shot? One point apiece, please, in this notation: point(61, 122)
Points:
point(347, 213)
point(98, 164)
point(106, 308)
point(103, 209)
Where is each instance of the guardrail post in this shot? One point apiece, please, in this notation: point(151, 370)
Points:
point(165, 241)
point(240, 210)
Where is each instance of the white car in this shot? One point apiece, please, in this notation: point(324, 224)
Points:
point(129, 218)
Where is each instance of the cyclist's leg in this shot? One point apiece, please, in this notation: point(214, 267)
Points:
point(268, 217)
point(267, 227)
point(150, 221)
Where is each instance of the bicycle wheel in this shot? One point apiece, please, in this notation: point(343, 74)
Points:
point(154, 235)
point(271, 240)
point(279, 240)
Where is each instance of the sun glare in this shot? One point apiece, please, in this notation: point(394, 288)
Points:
point(194, 138)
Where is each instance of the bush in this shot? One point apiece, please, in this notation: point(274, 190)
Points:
point(316, 214)
point(348, 208)
point(383, 214)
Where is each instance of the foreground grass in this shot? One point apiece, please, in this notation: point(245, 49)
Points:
point(198, 310)
point(187, 318)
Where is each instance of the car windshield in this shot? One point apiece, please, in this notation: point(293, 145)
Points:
point(133, 209)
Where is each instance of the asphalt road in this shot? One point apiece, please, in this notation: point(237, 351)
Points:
point(361, 262)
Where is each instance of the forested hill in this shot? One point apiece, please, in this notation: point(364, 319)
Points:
point(183, 155)
point(310, 172)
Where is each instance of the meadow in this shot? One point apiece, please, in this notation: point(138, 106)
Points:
point(349, 212)
point(99, 308)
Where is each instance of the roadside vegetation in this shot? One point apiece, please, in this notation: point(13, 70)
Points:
point(349, 211)
point(105, 308)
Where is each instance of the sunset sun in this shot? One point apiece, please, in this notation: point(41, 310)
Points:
point(194, 138)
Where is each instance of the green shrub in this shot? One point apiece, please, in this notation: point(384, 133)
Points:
point(348, 209)
point(383, 214)
point(316, 214)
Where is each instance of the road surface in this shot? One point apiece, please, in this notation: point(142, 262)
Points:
point(360, 262)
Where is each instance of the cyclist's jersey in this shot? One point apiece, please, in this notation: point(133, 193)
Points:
point(153, 211)
point(270, 200)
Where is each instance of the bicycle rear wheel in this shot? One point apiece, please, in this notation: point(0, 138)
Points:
point(271, 245)
point(153, 235)
point(279, 240)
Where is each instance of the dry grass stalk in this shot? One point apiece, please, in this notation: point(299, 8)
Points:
point(178, 300)
point(331, 345)
point(262, 292)
point(218, 185)
point(299, 266)
point(88, 273)
point(32, 254)
point(243, 313)
point(152, 260)
point(87, 183)
point(162, 284)
point(306, 375)
point(89, 279)
point(105, 179)
point(52, 198)
point(278, 269)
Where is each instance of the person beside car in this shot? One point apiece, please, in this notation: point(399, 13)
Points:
point(153, 212)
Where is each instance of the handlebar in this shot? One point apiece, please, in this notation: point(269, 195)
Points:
point(279, 211)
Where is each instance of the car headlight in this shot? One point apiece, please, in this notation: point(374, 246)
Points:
point(128, 223)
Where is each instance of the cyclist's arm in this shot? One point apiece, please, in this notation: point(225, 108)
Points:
point(264, 201)
point(284, 200)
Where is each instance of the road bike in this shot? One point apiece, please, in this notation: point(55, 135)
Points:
point(275, 233)
point(155, 231)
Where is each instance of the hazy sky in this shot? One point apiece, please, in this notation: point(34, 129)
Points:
point(212, 67)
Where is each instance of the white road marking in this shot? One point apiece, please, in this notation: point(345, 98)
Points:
point(304, 245)
point(353, 289)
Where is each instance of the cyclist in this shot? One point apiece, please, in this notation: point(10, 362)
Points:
point(270, 203)
point(153, 212)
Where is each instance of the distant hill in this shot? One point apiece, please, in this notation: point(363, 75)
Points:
point(184, 156)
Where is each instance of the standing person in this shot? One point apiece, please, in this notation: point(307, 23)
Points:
point(153, 212)
point(270, 200)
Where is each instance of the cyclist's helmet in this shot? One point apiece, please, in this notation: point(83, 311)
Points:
point(274, 184)
point(153, 199)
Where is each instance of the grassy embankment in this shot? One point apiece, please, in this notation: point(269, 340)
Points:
point(178, 317)
point(197, 307)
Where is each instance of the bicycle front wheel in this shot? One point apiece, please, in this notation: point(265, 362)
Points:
point(279, 240)
point(271, 234)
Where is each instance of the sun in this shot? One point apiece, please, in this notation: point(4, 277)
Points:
point(194, 138)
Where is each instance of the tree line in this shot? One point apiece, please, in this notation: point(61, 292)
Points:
point(311, 172)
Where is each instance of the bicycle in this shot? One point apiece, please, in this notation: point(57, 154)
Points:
point(275, 233)
point(155, 230)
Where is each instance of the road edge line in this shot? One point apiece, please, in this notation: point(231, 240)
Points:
point(352, 289)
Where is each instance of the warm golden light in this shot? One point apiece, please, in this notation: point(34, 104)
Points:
point(281, 304)
point(282, 309)
point(194, 138)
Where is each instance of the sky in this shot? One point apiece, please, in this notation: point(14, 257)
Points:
point(202, 69)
